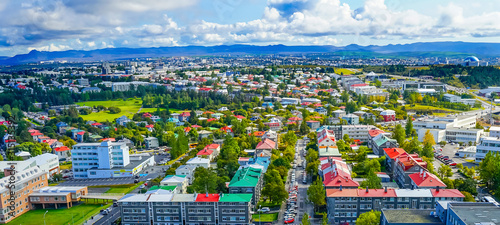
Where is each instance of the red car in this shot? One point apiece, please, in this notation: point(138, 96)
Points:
point(453, 164)
point(291, 220)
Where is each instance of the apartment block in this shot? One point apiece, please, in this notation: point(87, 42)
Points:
point(487, 144)
point(345, 205)
point(189, 209)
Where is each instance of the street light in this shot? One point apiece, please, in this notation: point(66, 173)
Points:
point(44, 217)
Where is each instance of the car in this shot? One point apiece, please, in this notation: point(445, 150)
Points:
point(453, 164)
point(105, 212)
point(115, 204)
point(264, 210)
point(290, 220)
point(142, 186)
point(457, 154)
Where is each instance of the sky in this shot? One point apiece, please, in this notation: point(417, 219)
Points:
point(58, 25)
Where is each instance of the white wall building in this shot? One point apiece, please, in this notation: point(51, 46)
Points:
point(487, 144)
point(106, 160)
point(47, 162)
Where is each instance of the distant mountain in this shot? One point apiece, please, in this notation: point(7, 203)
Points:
point(414, 49)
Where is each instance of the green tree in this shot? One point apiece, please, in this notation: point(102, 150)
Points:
point(316, 193)
point(399, 134)
point(274, 188)
point(304, 129)
point(324, 221)
point(369, 218)
point(467, 185)
point(489, 171)
point(445, 171)
point(409, 127)
point(205, 180)
point(305, 219)
point(468, 197)
point(372, 181)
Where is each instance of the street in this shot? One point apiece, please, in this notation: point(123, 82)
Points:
point(110, 218)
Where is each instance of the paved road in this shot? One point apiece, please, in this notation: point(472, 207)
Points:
point(110, 218)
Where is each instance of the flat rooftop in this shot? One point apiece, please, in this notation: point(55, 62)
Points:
point(474, 214)
point(410, 216)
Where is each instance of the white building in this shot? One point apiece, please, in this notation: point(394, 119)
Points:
point(199, 162)
point(186, 170)
point(359, 132)
point(456, 124)
point(151, 142)
point(464, 135)
point(438, 134)
point(487, 144)
point(494, 131)
point(106, 160)
point(47, 162)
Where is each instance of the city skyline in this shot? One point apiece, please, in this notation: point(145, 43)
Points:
point(74, 25)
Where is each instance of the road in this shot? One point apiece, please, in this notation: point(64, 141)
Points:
point(110, 218)
point(303, 206)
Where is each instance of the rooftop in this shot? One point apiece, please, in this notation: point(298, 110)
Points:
point(235, 198)
point(474, 213)
point(410, 216)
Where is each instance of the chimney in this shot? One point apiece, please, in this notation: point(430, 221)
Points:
point(394, 149)
point(437, 188)
point(412, 187)
point(206, 195)
point(385, 189)
point(366, 189)
point(424, 174)
point(340, 188)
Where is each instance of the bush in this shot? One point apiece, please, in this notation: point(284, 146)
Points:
point(114, 110)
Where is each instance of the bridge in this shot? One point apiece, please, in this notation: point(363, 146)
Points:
point(104, 197)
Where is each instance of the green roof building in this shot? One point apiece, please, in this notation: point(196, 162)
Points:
point(247, 181)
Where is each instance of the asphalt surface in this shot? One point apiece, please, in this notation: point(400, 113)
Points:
point(110, 218)
point(450, 150)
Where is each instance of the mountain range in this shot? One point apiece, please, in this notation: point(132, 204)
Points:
point(415, 49)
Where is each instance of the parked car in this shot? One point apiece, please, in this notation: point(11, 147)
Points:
point(264, 210)
point(453, 164)
point(290, 220)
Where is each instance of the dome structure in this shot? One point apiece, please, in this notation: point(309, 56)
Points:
point(471, 59)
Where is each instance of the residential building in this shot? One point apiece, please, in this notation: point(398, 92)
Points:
point(106, 160)
point(181, 181)
point(123, 120)
point(26, 182)
point(378, 141)
point(336, 174)
point(424, 179)
point(63, 153)
point(199, 162)
point(494, 131)
point(151, 142)
point(180, 209)
point(313, 124)
point(247, 181)
point(186, 170)
point(345, 205)
point(327, 151)
point(391, 155)
point(351, 119)
point(407, 164)
point(388, 115)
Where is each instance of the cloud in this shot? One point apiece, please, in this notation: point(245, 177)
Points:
point(73, 24)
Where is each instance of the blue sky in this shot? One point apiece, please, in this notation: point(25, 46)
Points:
point(55, 25)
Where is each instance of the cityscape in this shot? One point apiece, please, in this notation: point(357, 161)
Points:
point(313, 112)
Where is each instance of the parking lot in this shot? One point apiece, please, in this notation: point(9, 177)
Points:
point(450, 150)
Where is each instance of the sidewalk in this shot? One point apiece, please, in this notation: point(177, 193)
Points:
point(94, 219)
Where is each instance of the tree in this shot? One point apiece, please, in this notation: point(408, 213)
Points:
point(445, 171)
point(489, 171)
point(372, 181)
point(399, 134)
point(429, 139)
point(467, 185)
point(409, 127)
point(316, 193)
point(205, 180)
point(468, 197)
point(369, 218)
point(304, 129)
point(324, 221)
point(305, 219)
point(274, 189)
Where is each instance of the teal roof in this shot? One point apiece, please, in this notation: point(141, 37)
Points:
point(168, 188)
point(382, 140)
point(236, 198)
point(246, 177)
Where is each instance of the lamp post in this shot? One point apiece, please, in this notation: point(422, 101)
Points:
point(44, 217)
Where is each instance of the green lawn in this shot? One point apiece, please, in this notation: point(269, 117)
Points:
point(424, 107)
point(75, 215)
point(123, 188)
point(271, 217)
point(128, 107)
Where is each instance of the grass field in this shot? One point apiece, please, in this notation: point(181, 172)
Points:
point(424, 107)
point(75, 215)
point(346, 71)
point(271, 217)
point(123, 188)
point(129, 108)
